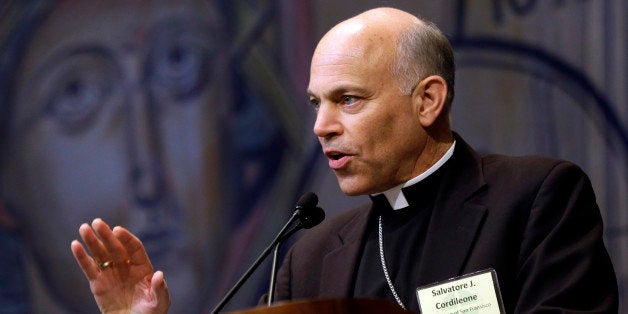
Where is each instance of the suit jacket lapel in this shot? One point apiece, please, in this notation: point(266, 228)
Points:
point(454, 224)
point(455, 220)
point(340, 264)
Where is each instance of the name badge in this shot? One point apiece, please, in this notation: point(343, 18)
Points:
point(471, 293)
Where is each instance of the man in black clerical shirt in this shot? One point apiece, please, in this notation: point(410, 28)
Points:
point(382, 85)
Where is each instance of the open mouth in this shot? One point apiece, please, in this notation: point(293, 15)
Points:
point(337, 160)
point(335, 156)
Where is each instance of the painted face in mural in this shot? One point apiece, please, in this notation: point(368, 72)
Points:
point(116, 114)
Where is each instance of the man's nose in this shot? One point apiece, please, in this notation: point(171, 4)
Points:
point(327, 122)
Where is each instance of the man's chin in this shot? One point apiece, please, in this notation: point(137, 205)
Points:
point(351, 188)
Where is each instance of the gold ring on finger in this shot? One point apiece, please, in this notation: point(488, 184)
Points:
point(105, 264)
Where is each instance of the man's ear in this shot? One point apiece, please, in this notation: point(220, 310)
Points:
point(430, 95)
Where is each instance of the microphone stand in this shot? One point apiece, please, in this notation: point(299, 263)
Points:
point(273, 271)
point(279, 238)
point(309, 215)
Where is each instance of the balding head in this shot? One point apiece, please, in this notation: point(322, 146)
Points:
point(385, 22)
point(409, 47)
point(389, 20)
point(372, 35)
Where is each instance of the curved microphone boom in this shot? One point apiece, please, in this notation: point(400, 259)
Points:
point(308, 216)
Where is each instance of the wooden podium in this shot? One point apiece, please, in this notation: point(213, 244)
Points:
point(329, 306)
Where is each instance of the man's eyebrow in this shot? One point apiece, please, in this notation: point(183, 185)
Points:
point(341, 90)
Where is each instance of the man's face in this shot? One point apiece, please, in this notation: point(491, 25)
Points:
point(112, 118)
point(368, 130)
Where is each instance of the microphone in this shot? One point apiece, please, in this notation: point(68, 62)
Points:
point(308, 215)
point(307, 200)
point(312, 217)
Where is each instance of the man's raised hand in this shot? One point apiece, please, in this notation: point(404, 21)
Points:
point(119, 272)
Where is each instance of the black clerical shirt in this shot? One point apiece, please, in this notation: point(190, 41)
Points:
point(404, 232)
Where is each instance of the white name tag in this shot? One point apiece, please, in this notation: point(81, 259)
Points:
point(471, 293)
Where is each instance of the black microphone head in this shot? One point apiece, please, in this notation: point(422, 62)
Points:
point(307, 200)
point(311, 217)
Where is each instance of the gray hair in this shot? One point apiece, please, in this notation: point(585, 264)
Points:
point(423, 50)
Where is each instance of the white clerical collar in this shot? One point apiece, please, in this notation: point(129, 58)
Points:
point(395, 196)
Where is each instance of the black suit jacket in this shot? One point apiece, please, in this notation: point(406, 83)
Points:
point(533, 219)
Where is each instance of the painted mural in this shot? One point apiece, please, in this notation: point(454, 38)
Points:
point(187, 122)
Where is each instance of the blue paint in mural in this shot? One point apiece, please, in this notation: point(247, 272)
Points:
point(550, 68)
point(157, 124)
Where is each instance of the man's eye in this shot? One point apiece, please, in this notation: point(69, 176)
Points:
point(315, 103)
point(349, 100)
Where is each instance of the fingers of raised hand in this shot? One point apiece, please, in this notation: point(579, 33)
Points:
point(104, 246)
point(133, 247)
point(159, 289)
point(86, 263)
point(115, 251)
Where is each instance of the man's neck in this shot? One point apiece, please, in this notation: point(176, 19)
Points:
point(395, 196)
